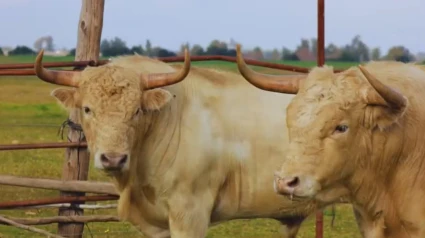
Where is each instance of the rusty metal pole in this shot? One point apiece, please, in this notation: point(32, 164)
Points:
point(320, 62)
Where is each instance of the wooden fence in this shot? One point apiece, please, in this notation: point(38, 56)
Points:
point(73, 185)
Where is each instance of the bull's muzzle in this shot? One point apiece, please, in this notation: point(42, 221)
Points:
point(286, 185)
point(113, 161)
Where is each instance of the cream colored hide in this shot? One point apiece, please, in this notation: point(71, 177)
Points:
point(362, 131)
point(198, 152)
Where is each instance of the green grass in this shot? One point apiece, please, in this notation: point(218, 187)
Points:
point(26, 101)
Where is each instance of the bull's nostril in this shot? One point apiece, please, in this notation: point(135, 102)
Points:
point(123, 161)
point(103, 158)
point(294, 182)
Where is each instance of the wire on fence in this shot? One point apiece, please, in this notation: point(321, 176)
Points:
point(67, 205)
point(27, 125)
point(57, 200)
point(125, 233)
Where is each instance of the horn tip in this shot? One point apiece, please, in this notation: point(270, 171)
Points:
point(239, 56)
point(187, 57)
point(40, 55)
point(186, 52)
point(238, 48)
point(363, 69)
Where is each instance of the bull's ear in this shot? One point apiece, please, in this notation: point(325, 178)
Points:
point(380, 113)
point(155, 99)
point(385, 105)
point(67, 97)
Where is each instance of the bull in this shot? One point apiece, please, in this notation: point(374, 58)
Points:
point(357, 133)
point(183, 154)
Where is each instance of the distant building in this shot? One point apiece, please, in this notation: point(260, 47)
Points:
point(304, 54)
point(62, 52)
point(420, 56)
point(6, 50)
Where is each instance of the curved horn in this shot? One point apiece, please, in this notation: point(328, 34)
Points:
point(273, 83)
point(55, 77)
point(152, 81)
point(393, 98)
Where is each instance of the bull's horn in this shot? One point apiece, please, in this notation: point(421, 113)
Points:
point(64, 78)
point(394, 99)
point(273, 83)
point(157, 80)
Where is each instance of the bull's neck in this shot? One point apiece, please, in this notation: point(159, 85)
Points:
point(394, 161)
point(156, 146)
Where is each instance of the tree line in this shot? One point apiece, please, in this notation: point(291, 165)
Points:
point(355, 51)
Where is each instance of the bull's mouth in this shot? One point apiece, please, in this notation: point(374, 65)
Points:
point(300, 188)
point(295, 195)
point(297, 198)
point(112, 163)
point(113, 170)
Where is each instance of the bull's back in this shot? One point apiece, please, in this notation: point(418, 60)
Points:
point(238, 111)
point(244, 128)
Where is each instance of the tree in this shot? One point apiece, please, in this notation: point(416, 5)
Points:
point(217, 47)
point(360, 48)
point(304, 44)
point(376, 53)
point(137, 49)
point(148, 48)
point(331, 49)
point(114, 47)
point(287, 54)
point(258, 53)
point(357, 51)
point(22, 50)
point(104, 46)
point(1, 51)
point(275, 54)
point(197, 50)
point(183, 47)
point(161, 52)
point(399, 53)
point(72, 52)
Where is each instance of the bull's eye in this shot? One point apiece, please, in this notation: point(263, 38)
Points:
point(86, 110)
point(341, 128)
point(137, 112)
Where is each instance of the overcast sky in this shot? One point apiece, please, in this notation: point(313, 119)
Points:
point(267, 23)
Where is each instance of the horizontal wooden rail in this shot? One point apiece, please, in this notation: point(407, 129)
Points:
point(70, 186)
point(21, 72)
point(54, 64)
point(51, 145)
point(27, 68)
point(62, 219)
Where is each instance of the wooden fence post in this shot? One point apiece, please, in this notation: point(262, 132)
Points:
point(77, 161)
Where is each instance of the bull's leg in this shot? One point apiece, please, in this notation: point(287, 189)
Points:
point(189, 215)
point(150, 231)
point(290, 226)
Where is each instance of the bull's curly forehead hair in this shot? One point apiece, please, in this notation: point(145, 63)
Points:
point(110, 77)
point(324, 88)
point(323, 83)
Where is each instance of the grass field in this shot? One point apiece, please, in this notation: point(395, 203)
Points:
point(28, 114)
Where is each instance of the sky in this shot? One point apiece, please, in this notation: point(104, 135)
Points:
point(266, 23)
